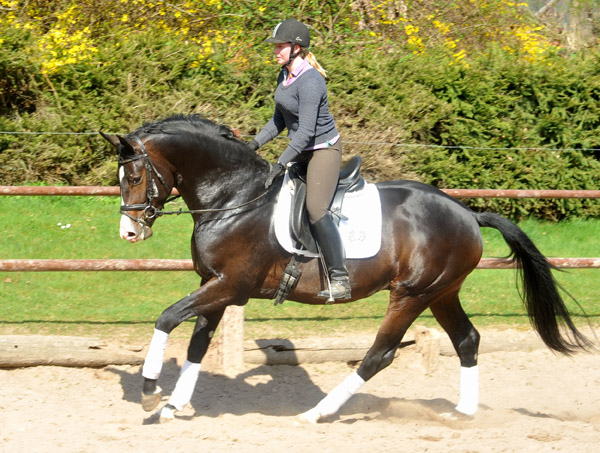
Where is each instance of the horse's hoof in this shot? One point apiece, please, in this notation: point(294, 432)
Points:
point(167, 413)
point(448, 416)
point(311, 416)
point(149, 402)
point(466, 409)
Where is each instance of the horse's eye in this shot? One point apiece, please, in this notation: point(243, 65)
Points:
point(135, 180)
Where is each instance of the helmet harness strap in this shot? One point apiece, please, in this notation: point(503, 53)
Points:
point(292, 55)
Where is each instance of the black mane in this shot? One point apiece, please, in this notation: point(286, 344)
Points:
point(200, 133)
point(181, 123)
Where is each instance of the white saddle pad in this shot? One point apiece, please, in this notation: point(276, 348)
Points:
point(361, 233)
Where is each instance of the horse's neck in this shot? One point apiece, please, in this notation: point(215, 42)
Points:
point(222, 185)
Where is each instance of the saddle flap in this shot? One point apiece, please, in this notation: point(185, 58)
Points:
point(299, 223)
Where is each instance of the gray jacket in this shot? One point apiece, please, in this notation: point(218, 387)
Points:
point(302, 108)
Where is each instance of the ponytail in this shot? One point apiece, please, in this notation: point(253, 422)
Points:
point(312, 60)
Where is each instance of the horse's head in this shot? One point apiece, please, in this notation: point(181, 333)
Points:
point(145, 185)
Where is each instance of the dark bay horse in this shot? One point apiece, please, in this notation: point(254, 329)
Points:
point(430, 243)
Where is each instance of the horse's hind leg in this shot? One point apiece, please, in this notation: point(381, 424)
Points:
point(465, 340)
point(401, 313)
point(201, 337)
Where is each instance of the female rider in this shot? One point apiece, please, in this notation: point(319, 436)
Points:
point(301, 106)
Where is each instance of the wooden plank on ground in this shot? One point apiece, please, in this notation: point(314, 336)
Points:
point(35, 350)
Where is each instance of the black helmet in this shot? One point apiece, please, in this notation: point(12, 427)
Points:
point(291, 31)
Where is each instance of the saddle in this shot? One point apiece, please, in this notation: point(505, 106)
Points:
point(350, 180)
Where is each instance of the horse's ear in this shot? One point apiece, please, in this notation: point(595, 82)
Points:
point(112, 139)
point(224, 131)
point(127, 150)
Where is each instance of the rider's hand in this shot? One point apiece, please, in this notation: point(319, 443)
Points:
point(276, 170)
point(253, 145)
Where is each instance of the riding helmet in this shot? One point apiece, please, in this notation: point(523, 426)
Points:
point(291, 31)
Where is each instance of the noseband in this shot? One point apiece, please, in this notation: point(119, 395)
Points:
point(149, 211)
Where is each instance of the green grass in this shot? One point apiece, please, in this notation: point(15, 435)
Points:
point(128, 303)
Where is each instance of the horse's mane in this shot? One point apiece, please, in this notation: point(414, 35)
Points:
point(196, 128)
point(181, 123)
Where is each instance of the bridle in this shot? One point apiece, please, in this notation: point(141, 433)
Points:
point(150, 211)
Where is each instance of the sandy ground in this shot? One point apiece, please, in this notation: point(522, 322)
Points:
point(530, 400)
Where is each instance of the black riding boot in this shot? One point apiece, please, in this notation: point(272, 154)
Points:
point(328, 237)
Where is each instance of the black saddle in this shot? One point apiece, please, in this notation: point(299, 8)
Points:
point(350, 181)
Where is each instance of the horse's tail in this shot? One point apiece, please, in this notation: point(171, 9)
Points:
point(545, 307)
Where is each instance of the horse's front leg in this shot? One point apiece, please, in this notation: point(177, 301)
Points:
point(186, 383)
point(209, 301)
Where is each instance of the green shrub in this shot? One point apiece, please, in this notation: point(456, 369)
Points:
point(513, 113)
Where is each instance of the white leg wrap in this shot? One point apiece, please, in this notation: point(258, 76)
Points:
point(156, 352)
point(469, 390)
point(185, 385)
point(166, 413)
point(336, 399)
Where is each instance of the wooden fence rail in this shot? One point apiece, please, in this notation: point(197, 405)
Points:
point(458, 193)
point(58, 265)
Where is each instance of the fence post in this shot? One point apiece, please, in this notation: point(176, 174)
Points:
point(232, 340)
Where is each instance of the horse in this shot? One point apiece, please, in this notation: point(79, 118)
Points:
point(430, 243)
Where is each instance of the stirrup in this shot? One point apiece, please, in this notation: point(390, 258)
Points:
point(340, 289)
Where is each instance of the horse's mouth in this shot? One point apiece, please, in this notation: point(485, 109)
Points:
point(144, 234)
point(134, 232)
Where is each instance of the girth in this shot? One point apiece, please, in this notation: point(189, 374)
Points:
point(350, 180)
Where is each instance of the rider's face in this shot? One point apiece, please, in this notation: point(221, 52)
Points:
point(282, 52)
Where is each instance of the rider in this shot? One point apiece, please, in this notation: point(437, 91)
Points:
point(301, 106)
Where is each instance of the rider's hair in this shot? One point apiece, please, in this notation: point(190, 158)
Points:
point(312, 60)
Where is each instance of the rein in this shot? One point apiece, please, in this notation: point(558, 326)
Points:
point(150, 211)
point(158, 212)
